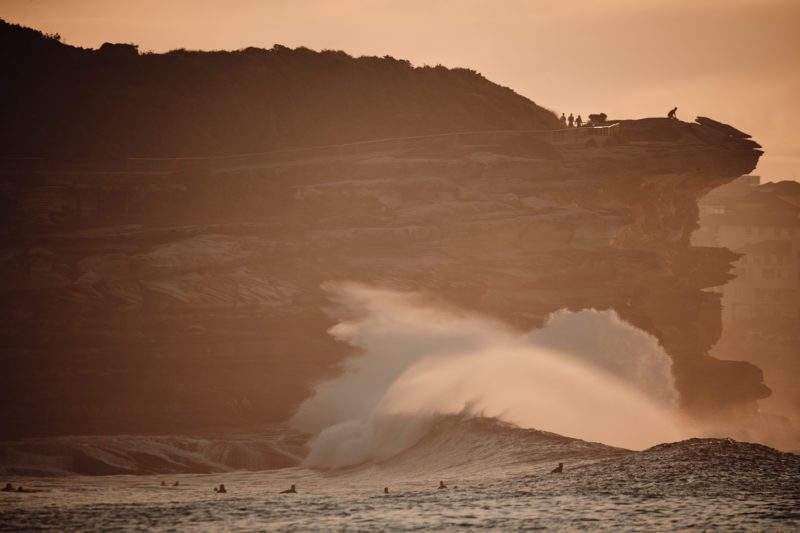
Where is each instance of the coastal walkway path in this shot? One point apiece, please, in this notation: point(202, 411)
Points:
point(567, 136)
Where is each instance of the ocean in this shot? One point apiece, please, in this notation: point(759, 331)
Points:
point(430, 397)
point(498, 478)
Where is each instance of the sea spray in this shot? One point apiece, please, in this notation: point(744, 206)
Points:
point(613, 345)
point(587, 375)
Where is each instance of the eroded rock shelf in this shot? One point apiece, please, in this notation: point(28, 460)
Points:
point(172, 301)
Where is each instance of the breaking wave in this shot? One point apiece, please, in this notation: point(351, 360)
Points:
point(463, 447)
point(478, 450)
point(470, 449)
point(586, 375)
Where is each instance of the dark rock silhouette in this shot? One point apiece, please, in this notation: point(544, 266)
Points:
point(112, 275)
point(193, 288)
point(724, 128)
point(597, 119)
point(114, 102)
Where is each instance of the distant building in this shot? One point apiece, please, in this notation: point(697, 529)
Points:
point(735, 229)
point(720, 199)
point(763, 224)
point(766, 283)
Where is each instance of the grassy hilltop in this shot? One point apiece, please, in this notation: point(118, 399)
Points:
point(59, 100)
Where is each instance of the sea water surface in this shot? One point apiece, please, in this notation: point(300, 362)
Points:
point(498, 478)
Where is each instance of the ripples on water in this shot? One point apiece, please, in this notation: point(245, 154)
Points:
point(498, 479)
point(251, 504)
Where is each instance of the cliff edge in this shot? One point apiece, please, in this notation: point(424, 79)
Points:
point(145, 292)
point(170, 300)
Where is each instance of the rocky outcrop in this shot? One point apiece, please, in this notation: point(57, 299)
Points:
point(724, 128)
point(167, 301)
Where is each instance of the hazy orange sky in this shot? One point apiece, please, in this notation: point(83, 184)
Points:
point(737, 61)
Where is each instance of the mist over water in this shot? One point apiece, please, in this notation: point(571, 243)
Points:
point(586, 374)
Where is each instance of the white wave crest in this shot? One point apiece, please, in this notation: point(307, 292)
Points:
point(587, 375)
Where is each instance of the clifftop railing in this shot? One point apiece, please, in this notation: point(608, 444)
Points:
point(466, 138)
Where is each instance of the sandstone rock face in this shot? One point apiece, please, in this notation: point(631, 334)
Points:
point(170, 301)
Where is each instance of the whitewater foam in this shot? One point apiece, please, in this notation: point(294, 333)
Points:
point(587, 375)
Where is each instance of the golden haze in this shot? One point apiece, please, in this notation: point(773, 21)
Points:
point(733, 60)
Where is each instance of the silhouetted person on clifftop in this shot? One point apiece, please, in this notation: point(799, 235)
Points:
point(563, 120)
point(290, 490)
point(558, 469)
point(579, 121)
point(570, 120)
point(671, 113)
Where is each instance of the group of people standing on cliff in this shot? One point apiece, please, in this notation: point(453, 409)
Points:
point(571, 122)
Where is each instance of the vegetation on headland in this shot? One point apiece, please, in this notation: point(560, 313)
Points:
point(68, 102)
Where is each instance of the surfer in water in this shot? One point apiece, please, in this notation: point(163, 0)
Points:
point(386, 490)
point(442, 485)
point(8, 488)
point(290, 490)
point(221, 489)
point(558, 469)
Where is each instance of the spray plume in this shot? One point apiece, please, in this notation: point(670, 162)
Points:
point(587, 375)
